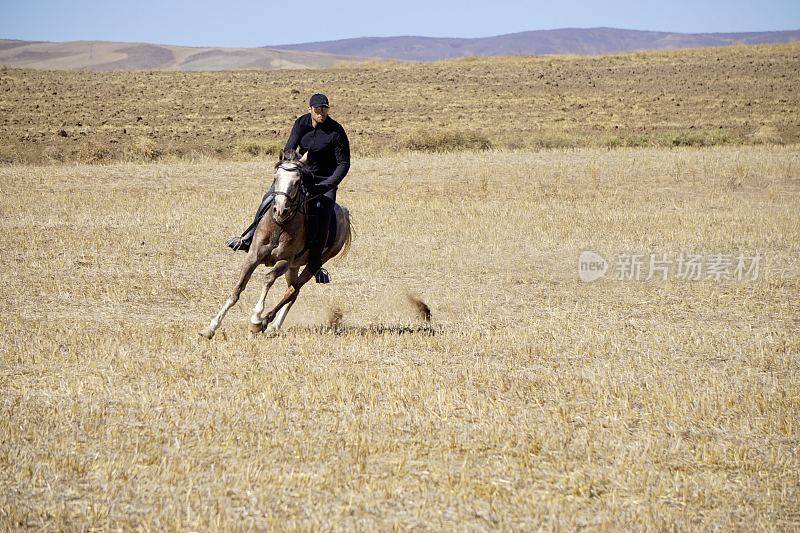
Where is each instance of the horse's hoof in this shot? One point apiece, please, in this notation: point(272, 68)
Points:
point(207, 333)
point(256, 328)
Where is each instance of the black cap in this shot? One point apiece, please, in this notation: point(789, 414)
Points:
point(318, 100)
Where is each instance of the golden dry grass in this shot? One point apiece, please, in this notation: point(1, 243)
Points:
point(532, 401)
point(734, 95)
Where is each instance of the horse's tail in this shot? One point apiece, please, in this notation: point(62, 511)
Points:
point(348, 238)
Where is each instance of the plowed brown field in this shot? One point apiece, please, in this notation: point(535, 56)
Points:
point(736, 95)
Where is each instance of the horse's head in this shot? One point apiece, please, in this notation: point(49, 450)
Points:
point(287, 185)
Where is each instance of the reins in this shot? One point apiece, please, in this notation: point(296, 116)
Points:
point(297, 204)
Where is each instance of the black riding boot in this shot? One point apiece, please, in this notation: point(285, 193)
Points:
point(243, 243)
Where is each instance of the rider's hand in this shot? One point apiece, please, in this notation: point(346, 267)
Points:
point(310, 183)
point(308, 179)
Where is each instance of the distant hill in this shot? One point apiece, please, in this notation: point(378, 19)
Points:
point(562, 41)
point(106, 56)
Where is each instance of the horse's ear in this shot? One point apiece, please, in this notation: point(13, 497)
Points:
point(303, 159)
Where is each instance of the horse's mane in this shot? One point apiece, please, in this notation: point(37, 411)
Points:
point(291, 166)
point(291, 157)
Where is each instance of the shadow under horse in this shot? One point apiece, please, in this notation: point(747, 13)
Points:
point(279, 242)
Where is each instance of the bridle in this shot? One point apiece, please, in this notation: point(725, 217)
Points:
point(296, 202)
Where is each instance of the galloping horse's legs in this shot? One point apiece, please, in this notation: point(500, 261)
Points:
point(250, 263)
point(291, 293)
point(278, 270)
point(291, 276)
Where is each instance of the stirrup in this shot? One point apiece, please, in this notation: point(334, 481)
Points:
point(322, 276)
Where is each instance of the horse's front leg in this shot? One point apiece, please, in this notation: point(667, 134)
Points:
point(250, 263)
point(290, 295)
point(256, 320)
point(291, 276)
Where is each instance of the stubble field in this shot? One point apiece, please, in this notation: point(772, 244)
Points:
point(531, 400)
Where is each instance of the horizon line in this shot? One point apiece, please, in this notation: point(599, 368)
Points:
point(395, 37)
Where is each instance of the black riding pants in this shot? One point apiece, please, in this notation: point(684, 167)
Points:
point(319, 212)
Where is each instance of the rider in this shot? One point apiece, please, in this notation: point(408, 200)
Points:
point(326, 166)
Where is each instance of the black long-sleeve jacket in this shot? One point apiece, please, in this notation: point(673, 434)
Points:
point(328, 152)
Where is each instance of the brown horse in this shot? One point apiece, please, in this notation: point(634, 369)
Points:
point(280, 242)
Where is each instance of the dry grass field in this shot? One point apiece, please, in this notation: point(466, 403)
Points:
point(532, 399)
point(725, 96)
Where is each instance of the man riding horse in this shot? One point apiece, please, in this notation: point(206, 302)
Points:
point(327, 150)
point(292, 223)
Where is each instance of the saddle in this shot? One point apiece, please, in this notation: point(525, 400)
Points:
point(243, 242)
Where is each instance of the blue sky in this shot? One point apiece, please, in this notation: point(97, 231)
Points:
point(258, 23)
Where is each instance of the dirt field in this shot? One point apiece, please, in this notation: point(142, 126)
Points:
point(532, 400)
point(737, 95)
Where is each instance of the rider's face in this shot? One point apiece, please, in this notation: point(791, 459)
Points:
point(319, 114)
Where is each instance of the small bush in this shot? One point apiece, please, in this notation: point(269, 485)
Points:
point(687, 139)
point(447, 141)
point(550, 141)
point(54, 154)
point(629, 141)
point(144, 148)
point(672, 139)
point(375, 146)
point(697, 138)
point(259, 148)
point(93, 152)
point(766, 135)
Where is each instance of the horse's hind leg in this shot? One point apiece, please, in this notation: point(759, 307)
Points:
point(291, 276)
point(256, 320)
point(291, 293)
point(250, 264)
